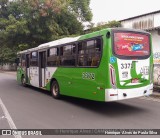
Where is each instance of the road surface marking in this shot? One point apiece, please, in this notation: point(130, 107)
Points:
point(9, 118)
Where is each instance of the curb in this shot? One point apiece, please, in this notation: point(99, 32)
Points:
point(156, 93)
point(8, 72)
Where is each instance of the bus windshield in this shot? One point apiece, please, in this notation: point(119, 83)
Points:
point(131, 44)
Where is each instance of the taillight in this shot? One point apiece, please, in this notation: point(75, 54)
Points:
point(112, 76)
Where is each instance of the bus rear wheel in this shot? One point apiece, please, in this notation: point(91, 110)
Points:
point(55, 90)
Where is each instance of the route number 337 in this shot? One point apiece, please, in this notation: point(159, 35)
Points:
point(126, 65)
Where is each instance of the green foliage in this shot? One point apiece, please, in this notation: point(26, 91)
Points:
point(3, 8)
point(102, 25)
point(6, 55)
point(81, 9)
point(27, 23)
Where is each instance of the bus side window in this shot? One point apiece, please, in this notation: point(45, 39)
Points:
point(68, 55)
point(80, 48)
point(97, 52)
point(90, 47)
point(34, 59)
point(89, 52)
point(95, 60)
point(81, 54)
point(98, 44)
point(61, 51)
point(93, 52)
point(23, 60)
point(53, 57)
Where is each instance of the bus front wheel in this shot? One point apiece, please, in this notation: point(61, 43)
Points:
point(55, 90)
point(23, 81)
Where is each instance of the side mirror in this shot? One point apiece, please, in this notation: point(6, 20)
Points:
point(17, 61)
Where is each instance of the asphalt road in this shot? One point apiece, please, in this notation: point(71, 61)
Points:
point(31, 108)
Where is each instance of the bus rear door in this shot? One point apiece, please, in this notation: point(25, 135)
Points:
point(27, 68)
point(42, 66)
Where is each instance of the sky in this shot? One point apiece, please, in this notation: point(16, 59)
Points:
point(108, 10)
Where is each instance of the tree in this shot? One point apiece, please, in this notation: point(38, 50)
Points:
point(7, 55)
point(103, 25)
point(27, 23)
point(81, 9)
point(3, 8)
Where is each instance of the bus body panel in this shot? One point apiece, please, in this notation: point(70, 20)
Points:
point(34, 76)
point(133, 73)
point(80, 82)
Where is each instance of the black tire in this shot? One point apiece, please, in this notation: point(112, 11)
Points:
point(55, 90)
point(23, 81)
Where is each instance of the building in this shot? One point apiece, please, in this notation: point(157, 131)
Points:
point(149, 22)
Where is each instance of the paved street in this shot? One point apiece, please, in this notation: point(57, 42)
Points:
point(33, 108)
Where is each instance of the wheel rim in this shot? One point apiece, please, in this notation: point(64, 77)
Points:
point(55, 89)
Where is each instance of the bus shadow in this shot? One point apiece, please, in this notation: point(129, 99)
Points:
point(111, 109)
point(35, 89)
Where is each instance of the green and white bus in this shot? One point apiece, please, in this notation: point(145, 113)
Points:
point(107, 65)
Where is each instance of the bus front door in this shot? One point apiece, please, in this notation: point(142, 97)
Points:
point(27, 68)
point(42, 66)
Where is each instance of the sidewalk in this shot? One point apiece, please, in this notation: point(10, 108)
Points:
point(8, 72)
point(156, 93)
